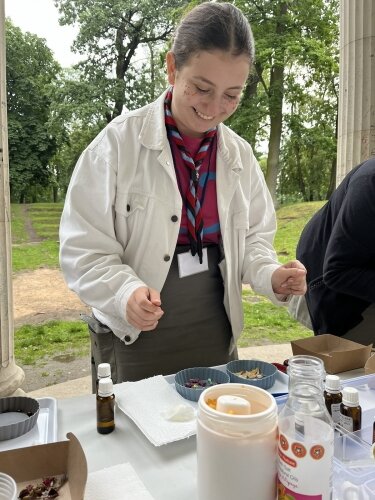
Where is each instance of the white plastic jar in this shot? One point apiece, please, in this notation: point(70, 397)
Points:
point(237, 454)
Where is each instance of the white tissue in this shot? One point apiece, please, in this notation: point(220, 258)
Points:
point(179, 413)
point(119, 482)
point(145, 401)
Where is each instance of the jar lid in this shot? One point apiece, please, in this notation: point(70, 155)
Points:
point(105, 387)
point(333, 383)
point(350, 396)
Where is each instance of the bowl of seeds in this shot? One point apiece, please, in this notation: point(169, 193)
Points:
point(191, 382)
point(252, 372)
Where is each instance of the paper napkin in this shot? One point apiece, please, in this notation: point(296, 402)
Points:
point(119, 482)
point(146, 402)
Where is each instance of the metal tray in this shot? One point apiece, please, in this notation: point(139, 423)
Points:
point(45, 430)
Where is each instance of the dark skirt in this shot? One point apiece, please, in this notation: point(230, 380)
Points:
point(194, 330)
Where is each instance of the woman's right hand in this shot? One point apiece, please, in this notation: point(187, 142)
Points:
point(143, 309)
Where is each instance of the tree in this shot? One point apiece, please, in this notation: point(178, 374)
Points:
point(289, 35)
point(111, 35)
point(31, 69)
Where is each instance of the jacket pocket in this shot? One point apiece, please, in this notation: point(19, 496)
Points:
point(128, 204)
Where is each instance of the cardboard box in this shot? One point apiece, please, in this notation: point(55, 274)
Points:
point(370, 365)
point(338, 354)
point(27, 465)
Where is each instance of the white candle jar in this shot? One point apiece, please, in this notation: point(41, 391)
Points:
point(237, 454)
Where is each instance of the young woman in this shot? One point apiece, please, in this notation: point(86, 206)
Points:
point(167, 214)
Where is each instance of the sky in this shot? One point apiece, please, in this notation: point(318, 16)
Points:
point(41, 18)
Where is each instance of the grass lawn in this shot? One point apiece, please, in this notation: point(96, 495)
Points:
point(264, 322)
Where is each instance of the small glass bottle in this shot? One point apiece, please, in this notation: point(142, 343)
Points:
point(333, 397)
point(373, 432)
point(104, 371)
point(105, 406)
point(306, 434)
point(351, 412)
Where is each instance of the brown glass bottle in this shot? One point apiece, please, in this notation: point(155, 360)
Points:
point(105, 407)
point(333, 397)
point(350, 410)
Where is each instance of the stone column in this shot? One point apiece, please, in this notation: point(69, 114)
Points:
point(356, 130)
point(11, 375)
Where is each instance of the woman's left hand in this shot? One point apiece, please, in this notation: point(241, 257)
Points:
point(290, 278)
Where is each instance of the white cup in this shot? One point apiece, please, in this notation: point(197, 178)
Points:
point(8, 487)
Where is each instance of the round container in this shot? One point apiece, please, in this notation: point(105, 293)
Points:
point(237, 453)
point(18, 415)
point(268, 371)
point(8, 487)
point(201, 373)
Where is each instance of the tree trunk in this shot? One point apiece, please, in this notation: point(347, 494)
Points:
point(276, 95)
point(276, 124)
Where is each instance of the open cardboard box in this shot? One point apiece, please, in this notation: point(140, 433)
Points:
point(370, 365)
point(28, 465)
point(338, 354)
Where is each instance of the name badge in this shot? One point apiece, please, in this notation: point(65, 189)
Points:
point(189, 264)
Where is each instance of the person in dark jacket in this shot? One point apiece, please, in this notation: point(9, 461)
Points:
point(337, 247)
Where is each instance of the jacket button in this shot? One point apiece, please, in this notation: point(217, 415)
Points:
point(174, 218)
point(167, 258)
point(127, 338)
point(128, 207)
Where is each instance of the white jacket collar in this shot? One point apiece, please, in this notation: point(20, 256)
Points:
point(153, 135)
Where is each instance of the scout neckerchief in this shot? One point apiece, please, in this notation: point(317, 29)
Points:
point(192, 202)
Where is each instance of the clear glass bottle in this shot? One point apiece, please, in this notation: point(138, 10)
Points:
point(306, 432)
point(351, 412)
point(333, 397)
point(105, 406)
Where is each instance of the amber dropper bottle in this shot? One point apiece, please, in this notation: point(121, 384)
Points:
point(351, 412)
point(105, 406)
point(333, 396)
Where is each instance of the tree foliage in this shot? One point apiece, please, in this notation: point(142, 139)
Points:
point(112, 36)
point(30, 71)
point(296, 46)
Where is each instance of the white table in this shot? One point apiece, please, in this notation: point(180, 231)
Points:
point(168, 472)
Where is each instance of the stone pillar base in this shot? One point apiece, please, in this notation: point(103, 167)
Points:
point(11, 378)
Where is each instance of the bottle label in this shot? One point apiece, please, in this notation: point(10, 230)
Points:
point(335, 409)
point(346, 422)
point(303, 457)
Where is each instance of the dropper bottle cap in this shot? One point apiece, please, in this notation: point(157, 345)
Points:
point(104, 370)
point(332, 383)
point(350, 396)
point(105, 387)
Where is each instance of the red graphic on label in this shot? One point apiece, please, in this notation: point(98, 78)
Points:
point(299, 450)
point(283, 442)
point(284, 493)
point(317, 452)
point(287, 459)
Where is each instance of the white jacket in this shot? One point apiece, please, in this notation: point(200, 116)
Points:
point(117, 232)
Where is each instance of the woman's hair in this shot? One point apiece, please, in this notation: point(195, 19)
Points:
point(213, 26)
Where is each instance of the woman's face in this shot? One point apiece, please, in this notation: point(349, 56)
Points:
point(206, 90)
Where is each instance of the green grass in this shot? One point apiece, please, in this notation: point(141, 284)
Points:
point(265, 323)
point(32, 343)
point(44, 219)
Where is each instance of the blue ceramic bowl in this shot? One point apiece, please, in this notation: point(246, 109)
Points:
point(200, 373)
point(267, 370)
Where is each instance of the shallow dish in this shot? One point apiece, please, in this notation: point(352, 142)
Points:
point(201, 373)
point(267, 370)
point(18, 415)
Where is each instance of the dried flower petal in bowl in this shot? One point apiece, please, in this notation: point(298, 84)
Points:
point(203, 377)
point(266, 370)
